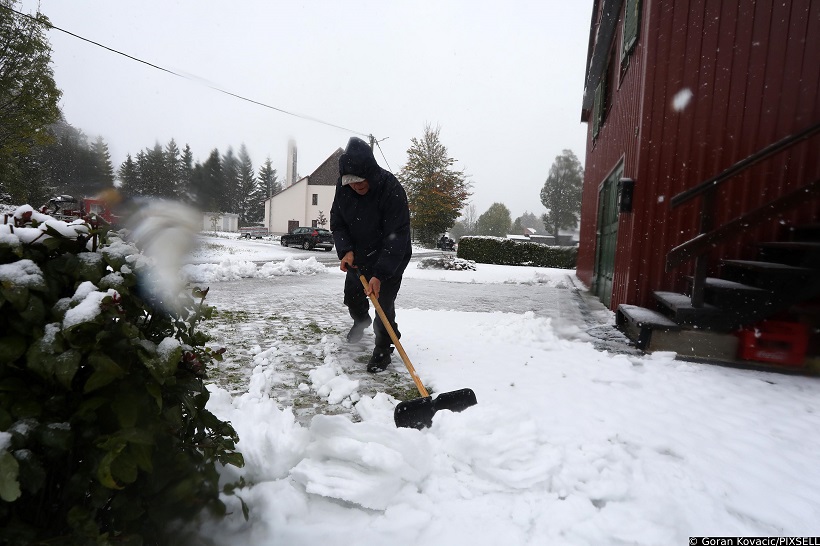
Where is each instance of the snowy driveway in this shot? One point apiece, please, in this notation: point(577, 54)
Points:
point(294, 324)
point(576, 439)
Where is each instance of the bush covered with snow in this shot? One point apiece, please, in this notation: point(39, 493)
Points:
point(104, 435)
point(449, 263)
point(500, 251)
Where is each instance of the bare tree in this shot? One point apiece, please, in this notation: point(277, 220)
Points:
point(469, 219)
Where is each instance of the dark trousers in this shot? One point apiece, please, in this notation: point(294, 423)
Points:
point(358, 304)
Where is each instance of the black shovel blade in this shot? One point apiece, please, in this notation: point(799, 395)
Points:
point(418, 413)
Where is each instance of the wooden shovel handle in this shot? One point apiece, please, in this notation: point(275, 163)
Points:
point(395, 338)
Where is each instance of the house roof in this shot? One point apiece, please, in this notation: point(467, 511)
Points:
point(327, 173)
point(600, 42)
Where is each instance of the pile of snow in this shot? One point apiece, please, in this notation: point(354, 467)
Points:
point(230, 269)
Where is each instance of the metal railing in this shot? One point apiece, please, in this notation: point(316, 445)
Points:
point(709, 235)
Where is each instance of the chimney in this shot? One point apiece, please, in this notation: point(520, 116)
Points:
point(291, 171)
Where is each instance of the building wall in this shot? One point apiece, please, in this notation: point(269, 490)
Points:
point(618, 141)
point(295, 203)
point(225, 221)
point(752, 69)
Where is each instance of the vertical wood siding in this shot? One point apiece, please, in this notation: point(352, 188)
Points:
point(753, 69)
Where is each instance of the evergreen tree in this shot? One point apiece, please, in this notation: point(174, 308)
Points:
point(129, 176)
point(103, 170)
point(561, 194)
point(267, 179)
point(207, 184)
point(174, 184)
point(230, 182)
point(28, 102)
point(250, 199)
point(70, 165)
point(187, 175)
point(152, 172)
point(141, 187)
point(435, 191)
point(496, 221)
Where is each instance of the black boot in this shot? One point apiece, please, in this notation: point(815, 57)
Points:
point(380, 359)
point(357, 331)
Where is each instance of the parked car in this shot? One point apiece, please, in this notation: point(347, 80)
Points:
point(308, 238)
point(445, 243)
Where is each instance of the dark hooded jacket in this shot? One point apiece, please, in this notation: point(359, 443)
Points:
point(375, 226)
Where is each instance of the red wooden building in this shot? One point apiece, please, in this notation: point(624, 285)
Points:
point(702, 174)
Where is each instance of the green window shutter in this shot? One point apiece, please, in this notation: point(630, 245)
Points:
point(632, 18)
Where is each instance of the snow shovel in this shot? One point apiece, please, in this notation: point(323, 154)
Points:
point(418, 413)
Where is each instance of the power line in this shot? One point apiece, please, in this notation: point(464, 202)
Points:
point(382, 151)
point(219, 89)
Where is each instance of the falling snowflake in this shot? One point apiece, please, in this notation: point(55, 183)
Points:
point(682, 99)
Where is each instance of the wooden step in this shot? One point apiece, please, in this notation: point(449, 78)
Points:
point(638, 323)
point(809, 232)
point(679, 308)
point(651, 331)
point(733, 296)
point(766, 275)
point(794, 253)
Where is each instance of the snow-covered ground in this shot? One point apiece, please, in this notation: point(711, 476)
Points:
point(568, 444)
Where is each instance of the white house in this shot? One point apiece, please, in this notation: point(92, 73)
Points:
point(301, 203)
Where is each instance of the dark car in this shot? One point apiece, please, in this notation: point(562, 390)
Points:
point(445, 243)
point(308, 238)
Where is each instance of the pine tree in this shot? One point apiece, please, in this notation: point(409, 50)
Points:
point(435, 191)
point(141, 186)
point(152, 172)
point(561, 194)
point(250, 200)
point(185, 191)
point(207, 183)
point(129, 176)
point(230, 182)
point(496, 221)
point(267, 179)
point(173, 185)
point(70, 165)
point(103, 170)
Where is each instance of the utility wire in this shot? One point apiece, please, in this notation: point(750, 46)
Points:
point(220, 90)
point(382, 152)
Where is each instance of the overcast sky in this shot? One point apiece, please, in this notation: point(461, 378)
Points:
point(502, 80)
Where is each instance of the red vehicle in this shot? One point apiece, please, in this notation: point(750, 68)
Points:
point(68, 209)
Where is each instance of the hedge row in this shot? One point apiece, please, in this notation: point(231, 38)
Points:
point(496, 250)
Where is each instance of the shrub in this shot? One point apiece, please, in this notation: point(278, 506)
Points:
point(104, 435)
point(446, 262)
point(500, 251)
